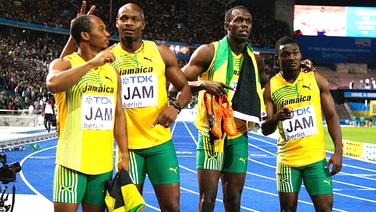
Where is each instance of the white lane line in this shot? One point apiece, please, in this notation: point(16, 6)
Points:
point(190, 133)
point(352, 197)
point(43, 157)
point(173, 128)
point(24, 178)
point(261, 163)
point(261, 176)
point(356, 175)
point(259, 148)
point(152, 207)
point(357, 167)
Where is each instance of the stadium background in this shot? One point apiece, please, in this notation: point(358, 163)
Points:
point(33, 33)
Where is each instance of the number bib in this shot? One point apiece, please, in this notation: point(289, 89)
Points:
point(97, 111)
point(139, 90)
point(302, 124)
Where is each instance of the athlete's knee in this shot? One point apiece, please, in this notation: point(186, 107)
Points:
point(207, 200)
point(324, 206)
point(173, 205)
point(288, 206)
point(232, 200)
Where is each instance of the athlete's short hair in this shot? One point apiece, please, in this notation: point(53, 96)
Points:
point(282, 41)
point(228, 14)
point(80, 24)
point(133, 4)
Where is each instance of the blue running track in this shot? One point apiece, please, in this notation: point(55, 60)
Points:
point(354, 187)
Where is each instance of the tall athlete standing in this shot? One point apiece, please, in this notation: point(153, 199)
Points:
point(87, 92)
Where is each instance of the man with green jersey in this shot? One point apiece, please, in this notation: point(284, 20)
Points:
point(294, 102)
point(216, 68)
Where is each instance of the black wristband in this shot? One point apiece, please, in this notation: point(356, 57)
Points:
point(176, 105)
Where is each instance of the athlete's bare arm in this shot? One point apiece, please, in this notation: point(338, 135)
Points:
point(177, 79)
point(261, 69)
point(272, 117)
point(71, 45)
point(328, 107)
point(120, 130)
point(198, 64)
point(62, 76)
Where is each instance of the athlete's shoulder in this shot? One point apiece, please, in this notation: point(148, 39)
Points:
point(117, 49)
point(204, 54)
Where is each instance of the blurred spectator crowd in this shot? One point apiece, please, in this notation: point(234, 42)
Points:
point(23, 70)
point(26, 54)
point(167, 20)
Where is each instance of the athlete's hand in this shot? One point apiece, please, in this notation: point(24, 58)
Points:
point(123, 163)
point(83, 9)
point(105, 56)
point(336, 162)
point(307, 65)
point(215, 88)
point(166, 117)
point(283, 114)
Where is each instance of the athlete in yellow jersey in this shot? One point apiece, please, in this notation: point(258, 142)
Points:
point(145, 69)
point(294, 102)
point(229, 165)
point(87, 91)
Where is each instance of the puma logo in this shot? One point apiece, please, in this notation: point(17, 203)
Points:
point(148, 59)
point(242, 160)
point(174, 170)
point(327, 182)
point(307, 86)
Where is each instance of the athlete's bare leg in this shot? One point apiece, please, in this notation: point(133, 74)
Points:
point(65, 207)
point(208, 187)
point(323, 202)
point(232, 186)
point(168, 196)
point(288, 201)
point(92, 208)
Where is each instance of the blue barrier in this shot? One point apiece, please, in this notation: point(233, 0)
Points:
point(333, 50)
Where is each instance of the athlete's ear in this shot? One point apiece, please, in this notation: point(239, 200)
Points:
point(84, 36)
point(143, 24)
point(276, 61)
point(225, 26)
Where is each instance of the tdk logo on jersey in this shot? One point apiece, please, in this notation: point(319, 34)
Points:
point(301, 111)
point(138, 79)
point(99, 100)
